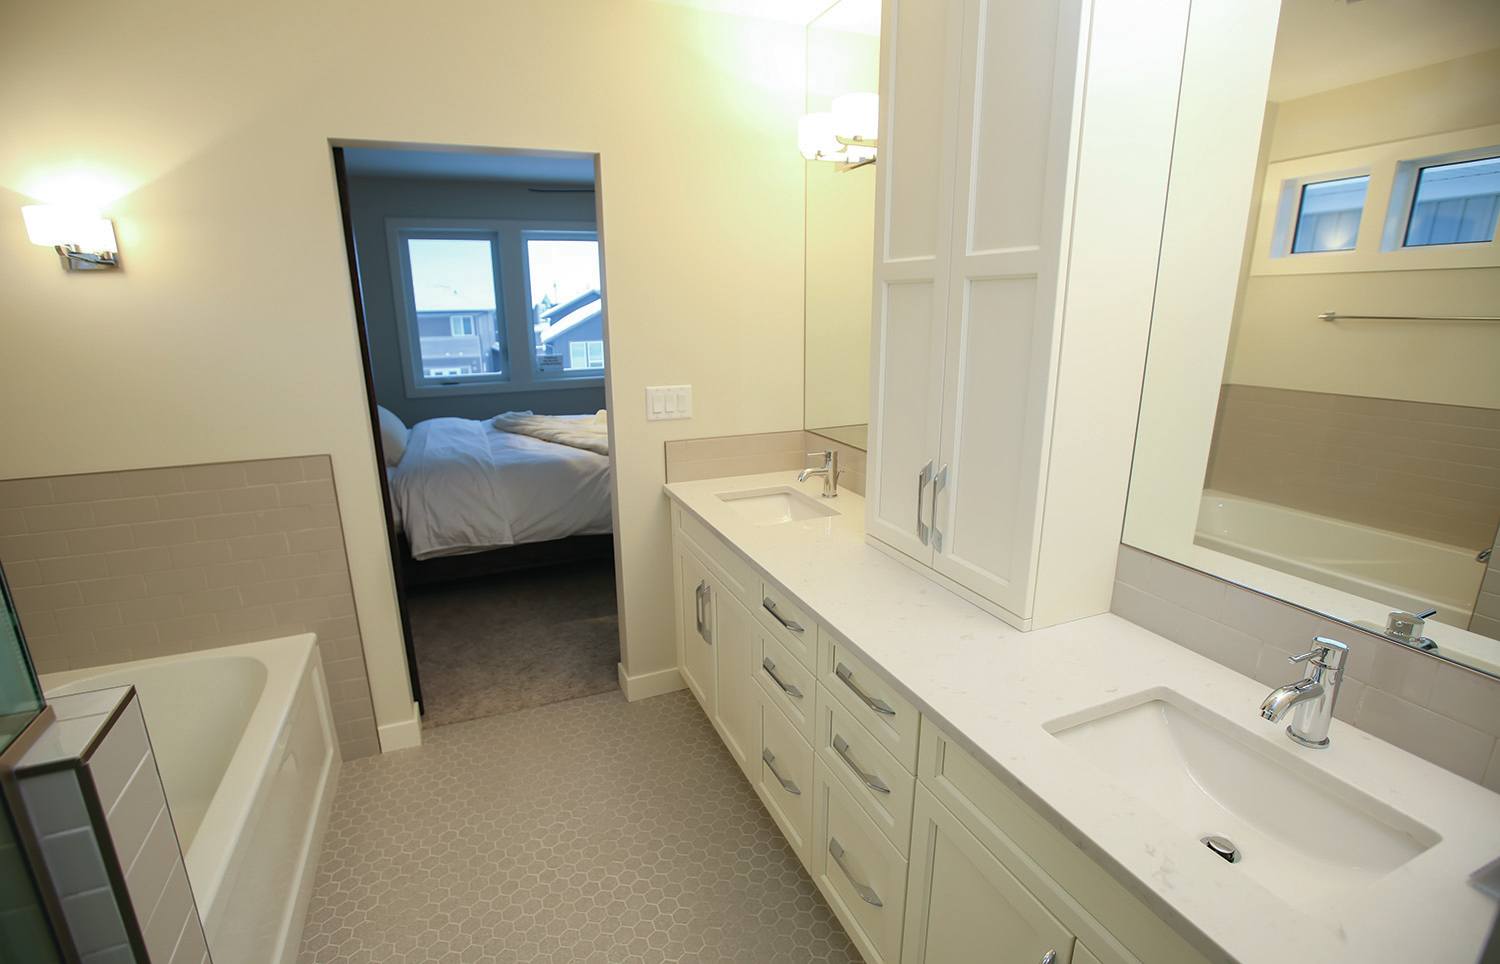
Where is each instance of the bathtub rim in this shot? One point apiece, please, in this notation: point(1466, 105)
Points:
point(1449, 605)
point(288, 660)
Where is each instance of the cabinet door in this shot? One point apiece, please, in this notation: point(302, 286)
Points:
point(696, 659)
point(737, 695)
point(914, 192)
point(963, 906)
point(1016, 122)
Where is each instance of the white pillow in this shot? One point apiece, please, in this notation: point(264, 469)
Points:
point(393, 434)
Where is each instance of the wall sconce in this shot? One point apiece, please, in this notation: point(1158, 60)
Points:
point(845, 134)
point(83, 240)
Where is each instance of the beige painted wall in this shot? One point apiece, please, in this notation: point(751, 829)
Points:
point(1277, 340)
point(229, 334)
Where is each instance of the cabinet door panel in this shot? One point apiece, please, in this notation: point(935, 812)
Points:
point(1016, 91)
point(914, 190)
point(964, 906)
point(737, 695)
point(697, 654)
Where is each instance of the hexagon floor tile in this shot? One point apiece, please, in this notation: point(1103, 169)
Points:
point(593, 830)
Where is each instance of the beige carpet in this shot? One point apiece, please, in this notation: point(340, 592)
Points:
point(506, 643)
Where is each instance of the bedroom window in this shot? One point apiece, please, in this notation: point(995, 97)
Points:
point(563, 294)
point(454, 328)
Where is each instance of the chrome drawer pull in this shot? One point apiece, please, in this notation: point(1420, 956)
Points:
point(939, 480)
point(847, 675)
point(786, 784)
point(792, 624)
point(865, 891)
point(1049, 958)
point(790, 689)
point(841, 747)
point(923, 477)
point(698, 605)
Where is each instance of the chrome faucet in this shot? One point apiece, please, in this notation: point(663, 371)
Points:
point(829, 470)
point(1312, 696)
point(1407, 628)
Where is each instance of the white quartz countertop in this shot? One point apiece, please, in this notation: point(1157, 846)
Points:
point(994, 687)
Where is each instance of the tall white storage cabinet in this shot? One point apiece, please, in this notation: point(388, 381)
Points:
point(983, 155)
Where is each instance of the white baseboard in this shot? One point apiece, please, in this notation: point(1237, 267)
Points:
point(403, 734)
point(647, 685)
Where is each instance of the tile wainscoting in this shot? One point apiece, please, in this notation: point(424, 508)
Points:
point(117, 566)
point(1417, 468)
point(1434, 709)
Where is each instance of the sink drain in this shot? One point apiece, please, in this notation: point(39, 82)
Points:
point(1222, 847)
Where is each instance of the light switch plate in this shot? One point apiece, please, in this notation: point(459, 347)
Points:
point(668, 402)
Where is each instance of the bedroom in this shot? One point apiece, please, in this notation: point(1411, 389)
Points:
point(479, 281)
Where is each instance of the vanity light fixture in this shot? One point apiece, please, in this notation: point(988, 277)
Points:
point(83, 240)
point(845, 134)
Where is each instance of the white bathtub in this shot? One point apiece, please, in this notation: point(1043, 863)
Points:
point(245, 745)
point(1399, 571)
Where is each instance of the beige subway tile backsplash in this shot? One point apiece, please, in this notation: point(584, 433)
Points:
point(1437, 710)
point(1411, 467)
point(689, 460)
point(117, 566)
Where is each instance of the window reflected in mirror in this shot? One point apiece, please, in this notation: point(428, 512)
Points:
point(1347, 458)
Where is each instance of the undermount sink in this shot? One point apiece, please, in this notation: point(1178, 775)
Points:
point(775, 506)
point(1293, 828)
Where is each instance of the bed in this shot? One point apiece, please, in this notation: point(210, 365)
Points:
point(463, 487)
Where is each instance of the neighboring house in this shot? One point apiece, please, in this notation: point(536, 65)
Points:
point(458, 342)
point(570, 336)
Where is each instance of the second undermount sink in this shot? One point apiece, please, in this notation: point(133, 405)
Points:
point(775, 506)
point(1290, 826)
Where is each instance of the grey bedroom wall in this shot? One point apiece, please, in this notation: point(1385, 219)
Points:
point(372, 201)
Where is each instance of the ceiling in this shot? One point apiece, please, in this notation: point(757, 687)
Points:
point(570, 169)
point(1323, 44)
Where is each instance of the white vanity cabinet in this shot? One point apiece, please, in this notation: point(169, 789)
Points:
point(717, 637)
point(921, 851)
point(965, 906)
point(1022, 151)
point(979, 121)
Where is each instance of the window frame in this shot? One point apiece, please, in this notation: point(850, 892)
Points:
point(1404, 184)
point(529, 234)
point(1269, 219)
point(512, 301)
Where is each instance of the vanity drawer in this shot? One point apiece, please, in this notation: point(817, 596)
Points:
point(877, 782)
point(869, 699)
point(789, 622)
point(786, 779)
point(857, 869)
point(737, 574)
point(787, 683)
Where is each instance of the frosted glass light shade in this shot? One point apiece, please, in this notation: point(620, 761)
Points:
point(815, 137)
point(856, 115)
point(60, 224)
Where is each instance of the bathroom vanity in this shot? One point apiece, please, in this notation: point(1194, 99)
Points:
point(961, 790)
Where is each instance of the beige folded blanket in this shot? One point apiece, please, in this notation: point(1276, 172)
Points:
point(587, 432)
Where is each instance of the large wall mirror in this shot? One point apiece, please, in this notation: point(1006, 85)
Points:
point(843, 72)
point(1321, 413)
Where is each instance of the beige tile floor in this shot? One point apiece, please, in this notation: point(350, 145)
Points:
point(592, 830)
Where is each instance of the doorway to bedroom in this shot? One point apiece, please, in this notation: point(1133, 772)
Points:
point(479, 290)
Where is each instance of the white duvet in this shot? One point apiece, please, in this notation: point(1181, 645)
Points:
point(465, 486)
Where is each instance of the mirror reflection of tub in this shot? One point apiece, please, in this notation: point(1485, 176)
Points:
point(244, 741)
point(1406, 571)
